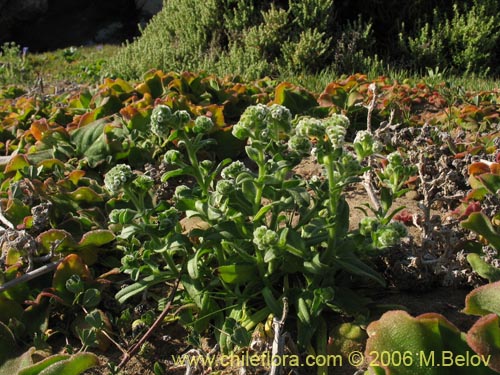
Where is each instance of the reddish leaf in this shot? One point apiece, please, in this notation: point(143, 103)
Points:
point(478, 168)
point(484, 339)
point(75, 176)
point(59, 237)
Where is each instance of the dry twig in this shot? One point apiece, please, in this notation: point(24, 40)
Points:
point(128, 355)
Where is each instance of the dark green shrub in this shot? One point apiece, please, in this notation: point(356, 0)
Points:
point(465, 41)
point(254, 38)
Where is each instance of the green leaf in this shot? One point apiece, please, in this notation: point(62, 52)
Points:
point(271, 302)
point(491, 181)
point(192, 266)
point(42, 365)
point(96, 238)
point(10, 308)
point(351, 263)
point(158, 369)
point(263, 211)
point(71, 265)
point(59, 237)
point(15, 364)
point(315, 266)
point(479, 223)
point(174, 173)
point(94, 319)
point(95, 140)
point(385, 199)
point(140, 286)
point(483, 300)
point(91, 298)
point(228, 146)
point(85, 194)
point(237, 273)
point(75, 365)
point(17, 163)
point(484, 269)
point(297, 99)
point(342, 218)
point(75, 284)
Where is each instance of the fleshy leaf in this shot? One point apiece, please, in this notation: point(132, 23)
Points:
point(479, 223)
point(96, 238)
point(295, 98)
point(16, 163)
point(236, 273)
point(85, 194)
point(483, 300)
point(491, 181)
point(13, 365)
point(71, 265)
point(9, 309)
point(75, 176)
point(75, 365)
point(484, 338)
point(478, 168)
point(56, 237)
point(42, 365)
point(429, 339)
point(51, 163)
point(482, 268)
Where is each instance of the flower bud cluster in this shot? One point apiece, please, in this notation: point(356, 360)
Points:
point(365, 144)
point(264, 238)
point(172, 157)
point(332, 129)
point(163, 120)
point(300, 144)
point(233, 170)
point(224, 187)
point(260, 122)
point(202, 124)
point(117, 177)
point(383, 235)
point(143, 183)
point(396, 172)
point(121, 216)
point(390, 234)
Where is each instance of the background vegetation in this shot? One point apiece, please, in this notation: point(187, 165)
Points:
point(255, 38)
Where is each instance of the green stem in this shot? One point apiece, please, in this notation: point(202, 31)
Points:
point(332, 205)
point(193, 159)
point(138, 203)
point(259, 186)
point(170, 262)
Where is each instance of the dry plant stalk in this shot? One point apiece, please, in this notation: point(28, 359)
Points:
point(367, 181)
point(278, 347)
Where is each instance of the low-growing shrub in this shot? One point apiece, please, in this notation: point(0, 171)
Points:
point(465, 41)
